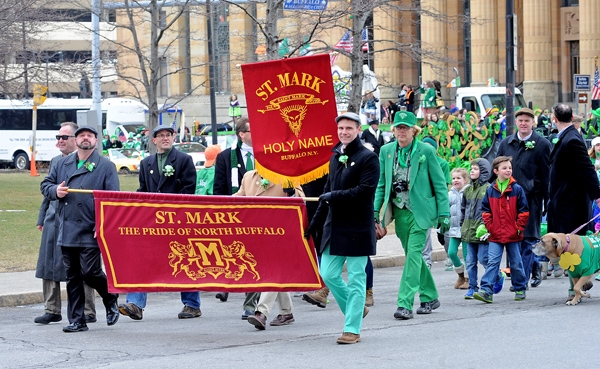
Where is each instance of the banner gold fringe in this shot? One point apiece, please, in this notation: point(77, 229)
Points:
point(286, 181)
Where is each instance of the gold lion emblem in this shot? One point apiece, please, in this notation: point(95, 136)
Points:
point(293, 115)
point(201, 257)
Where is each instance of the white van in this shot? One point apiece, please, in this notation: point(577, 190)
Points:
point(478, 99)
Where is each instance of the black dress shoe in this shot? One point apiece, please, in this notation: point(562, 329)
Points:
point(403, 314)
point(112, 313)
point(536, 276)
point(48, 318)
point(75, 327)
point(90, 319)
point(223, 296)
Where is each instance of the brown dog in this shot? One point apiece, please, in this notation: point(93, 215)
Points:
point(581, 255)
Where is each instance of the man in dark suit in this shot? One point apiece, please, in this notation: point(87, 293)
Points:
point(230, 167)
point(50, 266)
point(348, 234)
point(77, 224)
point(531, 168)
point(373, 136)
point(573, 181)
point(167, 171)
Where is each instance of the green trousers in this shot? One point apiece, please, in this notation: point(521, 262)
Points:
point(453, 251)
point(416, 276)
point(349, 296)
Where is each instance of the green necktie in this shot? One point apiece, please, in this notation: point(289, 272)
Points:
point(249, 161)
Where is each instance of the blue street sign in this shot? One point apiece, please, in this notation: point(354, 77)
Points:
point(582, 82)
point(305, 4)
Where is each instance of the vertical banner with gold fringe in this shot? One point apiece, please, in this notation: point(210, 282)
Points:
point(292, 110)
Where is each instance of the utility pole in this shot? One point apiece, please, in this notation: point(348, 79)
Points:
point(211, 73)
point(511, 64)
point(96, 87)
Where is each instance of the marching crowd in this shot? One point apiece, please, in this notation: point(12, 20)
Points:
point(495, 207)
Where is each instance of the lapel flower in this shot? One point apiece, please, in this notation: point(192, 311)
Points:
point(422, 159)
point(168, 170)
point(90, 166)
point(529, 145)
point(555, 140)
point(264, 183)
point(344, 160)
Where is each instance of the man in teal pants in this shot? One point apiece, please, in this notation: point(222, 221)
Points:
point(345, 215)
point(412, 190)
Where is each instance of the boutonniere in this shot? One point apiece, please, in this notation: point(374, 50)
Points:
point(90, 166)
point(264, 183)
point(529, 145)
point(422, 159)
point(555, 140)
point(168, 170)
point(344, 160)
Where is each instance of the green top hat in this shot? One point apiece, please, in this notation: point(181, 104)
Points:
point(406, 118)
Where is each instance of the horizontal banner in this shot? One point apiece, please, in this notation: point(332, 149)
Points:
point(154, 242)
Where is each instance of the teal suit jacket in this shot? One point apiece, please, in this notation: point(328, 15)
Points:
point(427, 187)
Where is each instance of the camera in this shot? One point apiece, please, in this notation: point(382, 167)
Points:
point(400, 186)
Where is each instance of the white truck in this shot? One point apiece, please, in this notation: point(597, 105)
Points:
point(478, 99)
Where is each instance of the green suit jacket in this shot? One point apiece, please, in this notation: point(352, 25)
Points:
point(427, 187)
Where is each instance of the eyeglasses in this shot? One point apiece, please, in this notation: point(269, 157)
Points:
point(64, 137)
point(402, 127)
point(163, 135)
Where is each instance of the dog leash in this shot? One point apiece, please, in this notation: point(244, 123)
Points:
point(577, 230)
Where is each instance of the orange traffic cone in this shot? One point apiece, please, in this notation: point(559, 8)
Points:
point(32, 167)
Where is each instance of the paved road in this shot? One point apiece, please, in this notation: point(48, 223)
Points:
point(539, 332)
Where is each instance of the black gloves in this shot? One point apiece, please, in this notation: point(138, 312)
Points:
point(326, 197)
point(290, 191)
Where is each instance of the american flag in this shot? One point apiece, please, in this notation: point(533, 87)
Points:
point(345, 43)
point(596, 88)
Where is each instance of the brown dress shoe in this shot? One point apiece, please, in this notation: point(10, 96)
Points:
point(282, 320)
point(348, 338)
point(258, 320)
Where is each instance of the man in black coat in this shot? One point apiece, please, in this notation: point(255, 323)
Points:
point(373, 136)
point(84, 169)
point(167, 171)
point(345, 214)
point(230, 167)
point(50, 266)
point(573, 181)
point(531, 170)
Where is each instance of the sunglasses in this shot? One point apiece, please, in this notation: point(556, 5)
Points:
point(64, 137)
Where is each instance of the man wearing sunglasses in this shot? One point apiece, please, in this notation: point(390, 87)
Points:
point(50, 267)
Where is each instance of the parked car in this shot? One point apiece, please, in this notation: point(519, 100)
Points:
point(193, 149)
point(125, 164)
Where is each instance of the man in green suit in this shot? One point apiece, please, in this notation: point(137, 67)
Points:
point(412, 190)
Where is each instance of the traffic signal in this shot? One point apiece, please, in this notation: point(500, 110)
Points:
point(39, 94)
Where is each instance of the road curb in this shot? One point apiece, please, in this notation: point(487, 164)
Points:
point(32, 298)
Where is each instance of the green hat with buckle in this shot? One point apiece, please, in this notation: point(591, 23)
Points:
point(404, 117)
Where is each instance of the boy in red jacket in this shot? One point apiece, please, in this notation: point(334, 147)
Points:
point(505, 214)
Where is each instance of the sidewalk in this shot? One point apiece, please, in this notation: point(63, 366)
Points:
point(23, 288)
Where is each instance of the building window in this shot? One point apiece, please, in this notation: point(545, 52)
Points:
point(162, 19)
point(570, 2)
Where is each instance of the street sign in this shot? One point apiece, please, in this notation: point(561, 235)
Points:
point(582, 82)
point(305, 4)
point(582, 98)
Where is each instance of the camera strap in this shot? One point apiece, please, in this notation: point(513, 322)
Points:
point(397, 163)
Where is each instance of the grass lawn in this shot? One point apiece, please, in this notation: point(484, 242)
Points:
point(20, 201)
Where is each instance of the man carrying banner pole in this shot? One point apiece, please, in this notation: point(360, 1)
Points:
point(77, 219)
point(348, 234)
point(167, 171)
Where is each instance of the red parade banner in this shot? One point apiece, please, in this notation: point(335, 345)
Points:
point(292, 110)
point(153, 242)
